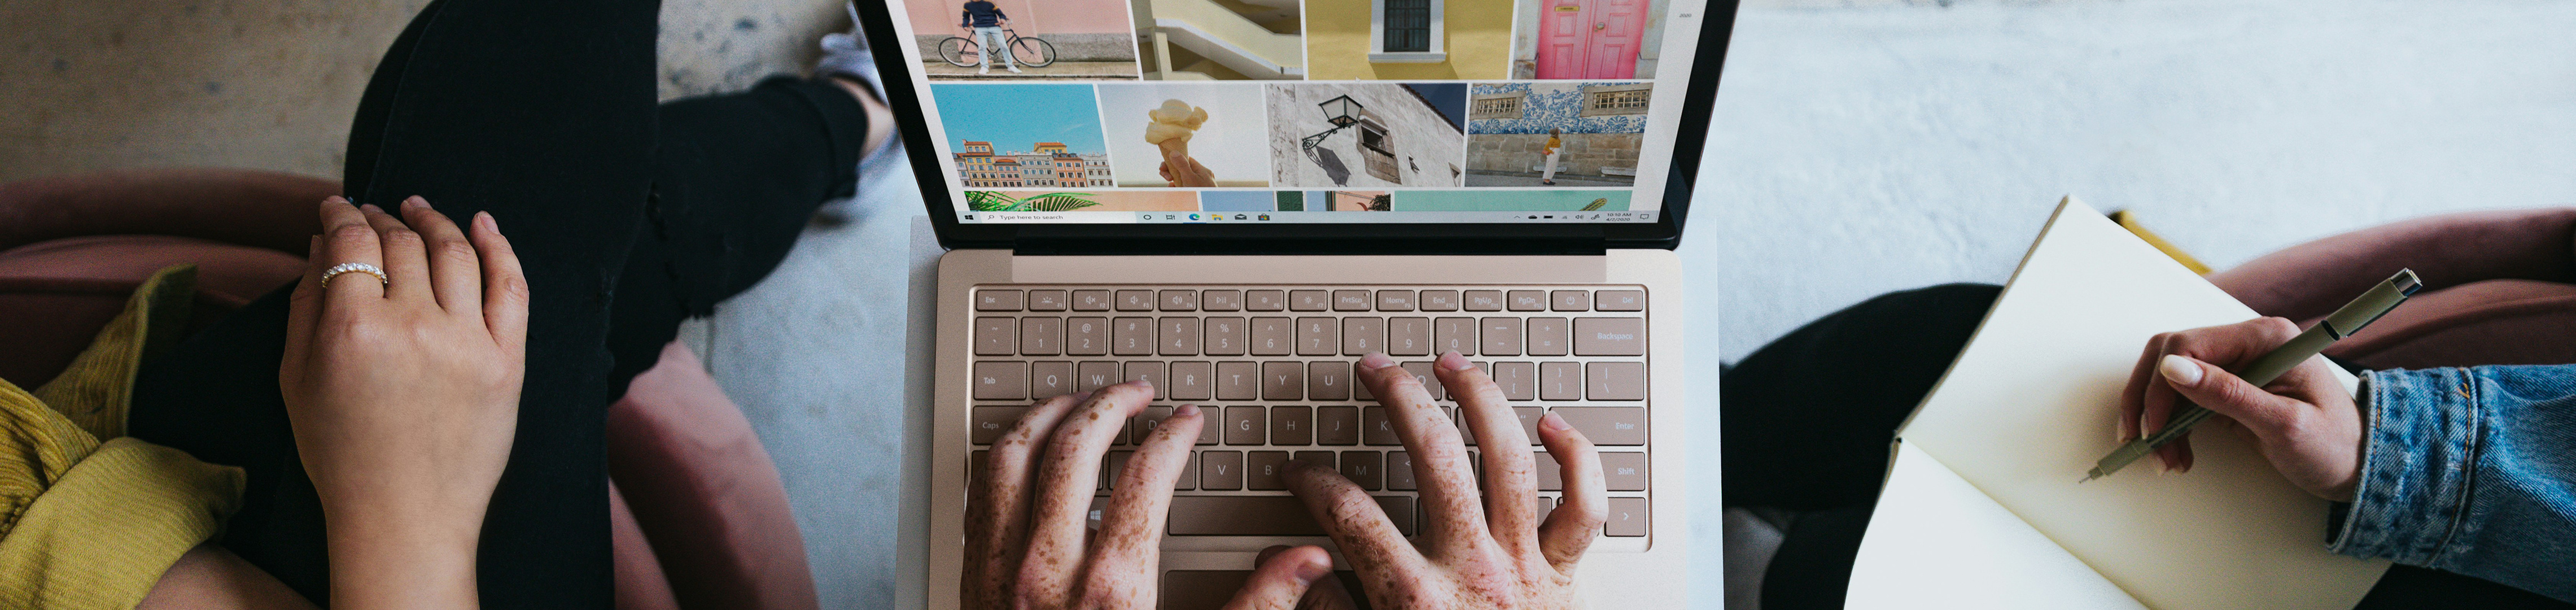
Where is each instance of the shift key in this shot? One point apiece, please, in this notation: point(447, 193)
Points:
point(1609, 336)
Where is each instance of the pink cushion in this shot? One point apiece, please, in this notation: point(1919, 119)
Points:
point(55, 295)
point(259, 208)
point(704, 491)
point(2499, 288)
point(2489, 322)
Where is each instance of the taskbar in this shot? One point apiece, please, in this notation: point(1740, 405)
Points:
point(1256, 217)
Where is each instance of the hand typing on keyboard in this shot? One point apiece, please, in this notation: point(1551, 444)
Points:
point(1028, 541)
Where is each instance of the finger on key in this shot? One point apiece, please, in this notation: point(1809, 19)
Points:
point(1570, 529)
point(405, 258)
point(455, 271)
point(1129, 545)
point(347, 238)
point(1282, 578)
point(1358, 527)
point(1510, 473)
point(997, 513)
point(1068, 475)
point(1456, 519)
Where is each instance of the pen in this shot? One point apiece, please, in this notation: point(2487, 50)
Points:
point(2342, 323)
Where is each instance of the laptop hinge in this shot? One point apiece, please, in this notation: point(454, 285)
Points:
point(1171, 247)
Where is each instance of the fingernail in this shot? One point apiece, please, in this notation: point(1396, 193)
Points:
point(484, 220)
point(415, 202)
point(371, 208)
point(313, 247)
point(1311, 571)
point(336, 199)
point(1185, 411)
point(1553, 423)
point(1453, 362)
point(1374, 361)
point(1142, 382)
point(2179, 370)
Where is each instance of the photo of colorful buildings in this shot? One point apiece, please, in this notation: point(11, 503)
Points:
point(1586, 39)
point(1555, 133)
point(1046, 164)
point(1408, 39)
point(1332, 135)
point(1188, 40)
point(989, 124)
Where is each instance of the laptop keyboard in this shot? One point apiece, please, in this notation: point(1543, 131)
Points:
point(1271, 368)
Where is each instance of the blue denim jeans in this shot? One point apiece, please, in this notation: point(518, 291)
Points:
point(2470, 470)
point(993, 43)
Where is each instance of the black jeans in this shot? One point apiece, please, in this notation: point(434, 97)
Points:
point(1808, 419)
point(628, 216)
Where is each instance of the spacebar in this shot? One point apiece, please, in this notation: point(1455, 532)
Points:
point(1241, 516)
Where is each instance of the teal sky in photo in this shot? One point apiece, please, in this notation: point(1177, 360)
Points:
point(1507, 201)
point(1013, 117)
point(1238, 201)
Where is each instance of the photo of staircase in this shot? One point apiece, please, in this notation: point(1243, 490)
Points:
point(1220, 39)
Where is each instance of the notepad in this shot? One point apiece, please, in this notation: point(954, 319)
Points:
point(1982, 510)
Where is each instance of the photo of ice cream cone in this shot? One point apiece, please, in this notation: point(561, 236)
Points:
point(1170, 127)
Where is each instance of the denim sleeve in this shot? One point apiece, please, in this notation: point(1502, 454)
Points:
point(2470, 470)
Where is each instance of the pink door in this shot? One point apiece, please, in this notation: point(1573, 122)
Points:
point(1590, 39)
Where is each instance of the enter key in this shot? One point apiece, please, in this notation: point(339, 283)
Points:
point(1609, 336)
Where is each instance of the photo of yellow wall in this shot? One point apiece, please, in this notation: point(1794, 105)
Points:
point(1408, 39)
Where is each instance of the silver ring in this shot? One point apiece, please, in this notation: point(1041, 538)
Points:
point(341, 268)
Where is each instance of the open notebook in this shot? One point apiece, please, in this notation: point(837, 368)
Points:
point(1982, 508)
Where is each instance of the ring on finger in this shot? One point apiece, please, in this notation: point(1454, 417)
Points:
point(368, 269)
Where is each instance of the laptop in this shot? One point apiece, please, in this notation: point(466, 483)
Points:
point(1236, 199)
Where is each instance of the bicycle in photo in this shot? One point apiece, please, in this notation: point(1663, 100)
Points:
point(961, 51)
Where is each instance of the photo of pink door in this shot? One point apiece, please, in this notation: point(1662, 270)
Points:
point(1590, 39)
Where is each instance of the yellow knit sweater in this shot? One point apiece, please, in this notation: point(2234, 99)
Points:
point(89, 518)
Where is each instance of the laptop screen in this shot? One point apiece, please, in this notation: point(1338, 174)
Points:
point(1289, 112)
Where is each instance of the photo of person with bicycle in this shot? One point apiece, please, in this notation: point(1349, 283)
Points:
point(964, 40)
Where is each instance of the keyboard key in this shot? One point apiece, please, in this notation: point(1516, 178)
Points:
point(1502, 337)
point(1408, 337)
point(1227, 336)
point(1144, 423)
point(1283, 381)
point(1399, 509)
point(1091, 300)
point(997, 300)
point(1560, 381)
point(1309, 300)
point(1135, 300)
point(1608, 425)
point(1245, 425)
point(1090, 376)
point(1099, 505)
point(1189, 478)
point(1517, 380)
point(1624, 470)
point(1484, 300)
point(1620, 300)
point(1440, 300)
point(1422, 372)
point(1179, 336)
point(1050, 379)
point(1337, 425)
point(1213, 589)
point(1264, 300)
point(1374, 428)
point(1529, 300)
point(1614, 380)
point(1328, 381)
point(1627, 518)
point(984, 425)
point(1221, 300)
point(1041, 336)
point(1237, 381)
point(1454, 335)
point(1609, 336)
point(1218, 471)
point(1319, 336)
point(1261, 470)
point(1551, 476)
point(1001, 381)
point(1547, 337)
point(1363, 335)
point(1086, 336)
point(1318, 458)
point(1399, 470)
point(1110, 466)
point(1180, 300)
point(1192, 381)
point(1395, 300)
point(1275, 515)
point(1047, 300)
point(1292, 425)
point(1570, 300)
point(1351, 300)
point(975, 467)
point(1363, 467)
point(996, 337)
point(1131, 336)
point(1148, 372)
point(1273, 336)
point(1529, 417)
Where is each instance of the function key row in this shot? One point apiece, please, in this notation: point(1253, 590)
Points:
point(994, 299)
